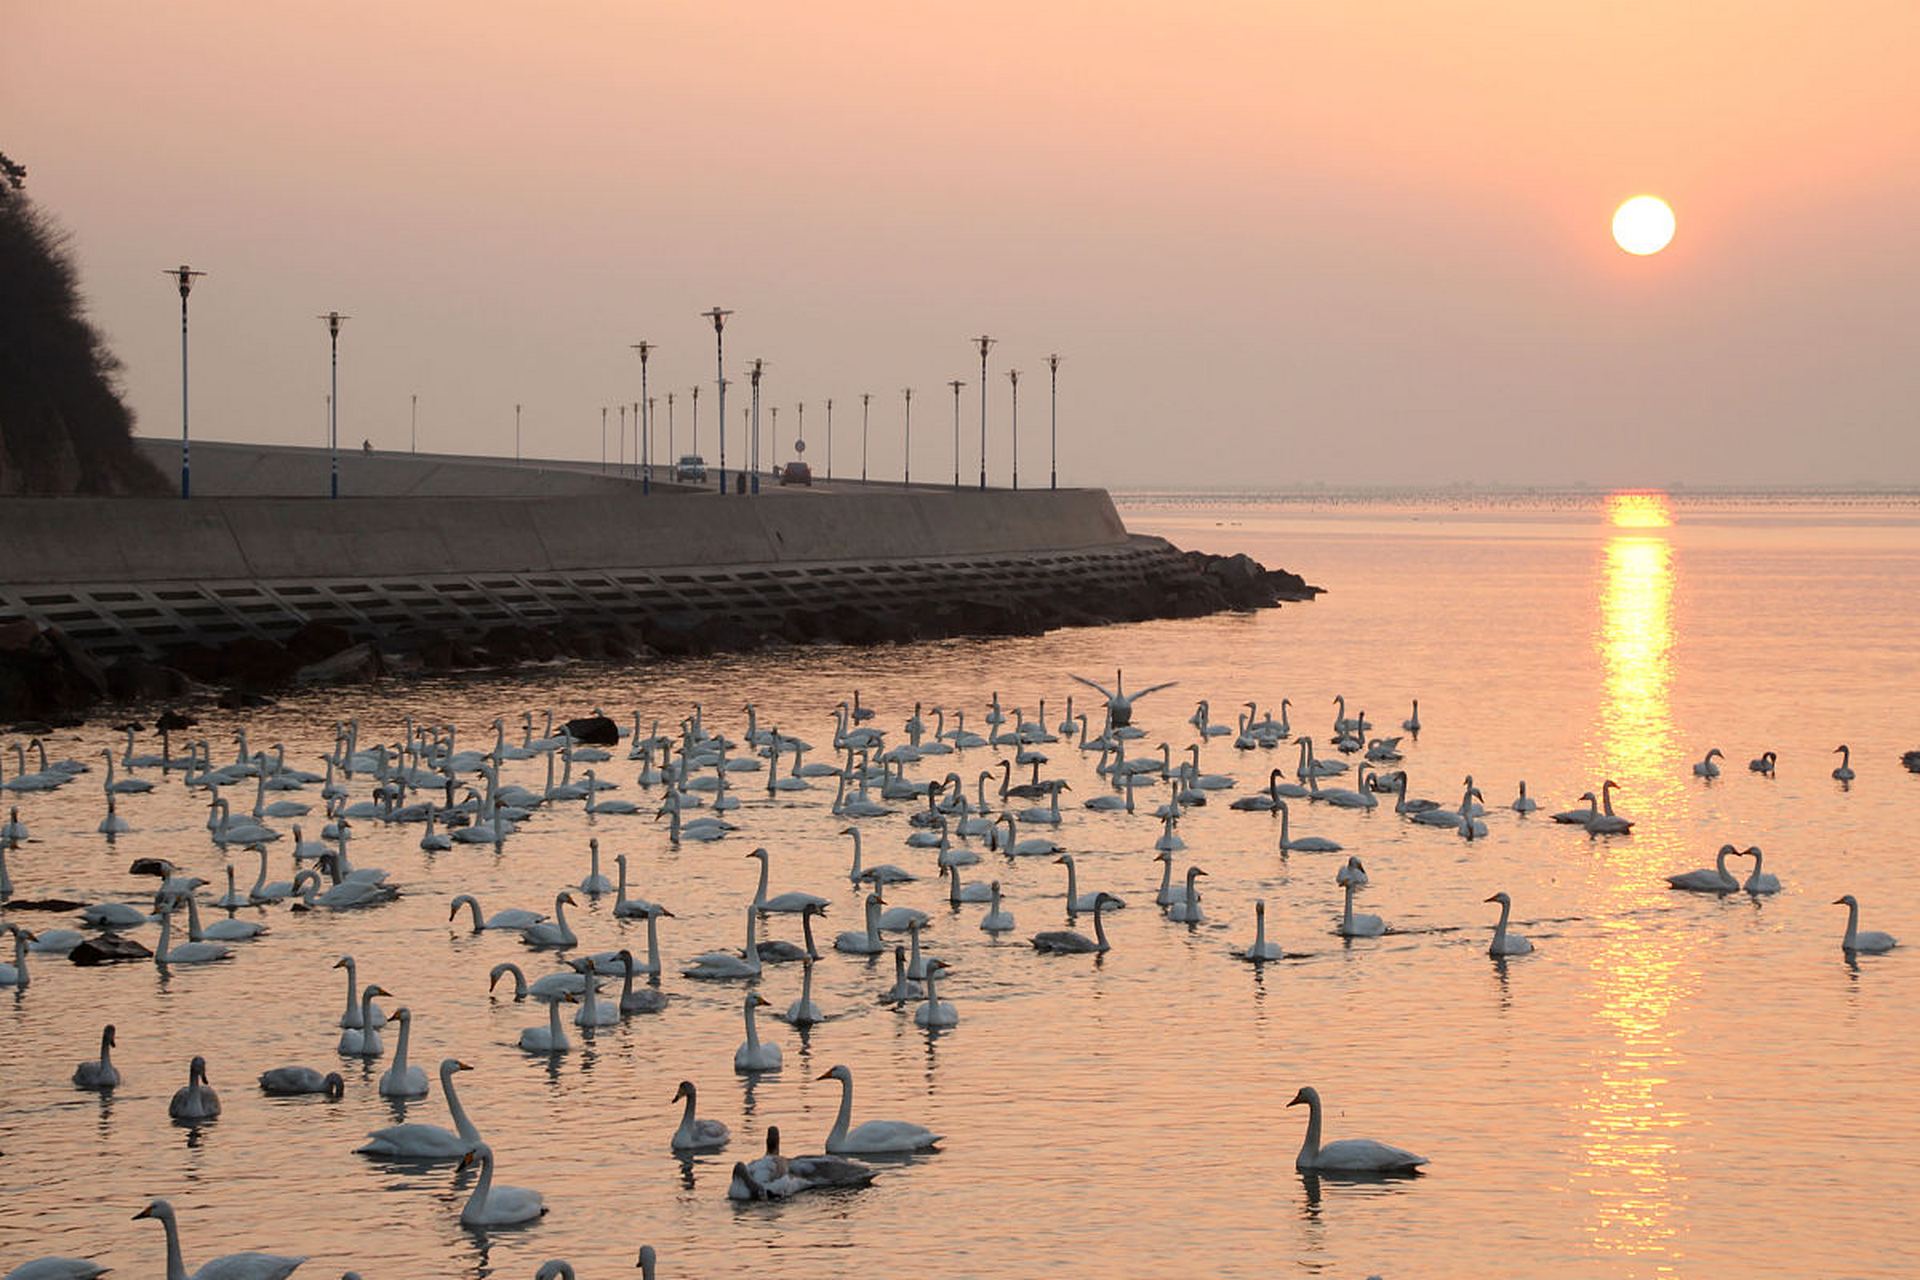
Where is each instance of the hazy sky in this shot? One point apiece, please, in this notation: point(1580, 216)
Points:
point(1273, 242)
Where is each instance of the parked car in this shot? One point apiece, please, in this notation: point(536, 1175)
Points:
point(691, 469)
point(796, 473)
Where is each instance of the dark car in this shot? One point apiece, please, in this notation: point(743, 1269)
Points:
point(796, 473)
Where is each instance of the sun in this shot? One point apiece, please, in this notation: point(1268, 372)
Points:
point(1643, 225)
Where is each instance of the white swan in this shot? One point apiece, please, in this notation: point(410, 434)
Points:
point(803, 1012)
point(1412, 723)
point(1608, 823)
point(1580, 817)
point(695, 1133)
point(356, 1011)
point(345, 896)
point(491, 1206)
point(1504, 943)
point(560, 982)
point(591, 1012)
point(1708, 767)
point(793, 902)
point(629, 908)
point(752, 1056)
point(1358, 924)
point(1068, 941)
point(593, 884)
point(1188, 910)
point(551, 1038)
point(296, 1081)
point(1305, 844)
point(402, 1080)
point(196, 1099)
point(232, 1266)
point(1260, 949)
point(867, 941)
point(884, 873)
point(724, 965)
point(165, 953)
point(873, 1137)
point(1524, 803)
point(1353, 873)
point(555, 932)
point(515, 918)
point(936, 1013)
point(1032, 847)
point(1872, 942)
point(1764, 762)
point(1845, 772)
point(1718, 880)
point(1349, 1155)
point(1078, 902)
point(1759, 881)
point(53, 1268)
point(99, 1074)
point(364, 1040)
point(998, 919)
point(428, 1141)
point(111, 825)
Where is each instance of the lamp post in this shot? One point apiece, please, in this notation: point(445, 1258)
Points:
point(652, 445)
point(865, 397)
point(906, 452)
point(641, 435)
point(1013, 376)
point(773, 426)
point(516, 433)
point(956, 384)
point(695, 446)
point(719, 317)
point(673, 454)
point(753, 455)
point(413, 426)
point(603, 435)
point(333, 319)
point(829, 437)
point(1053, 431)
point(985, 344)
point(800, 431)
point(184, 276)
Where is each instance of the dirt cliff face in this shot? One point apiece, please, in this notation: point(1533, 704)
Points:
point(63, 427)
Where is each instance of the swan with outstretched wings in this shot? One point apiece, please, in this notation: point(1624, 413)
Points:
point(1119, 701)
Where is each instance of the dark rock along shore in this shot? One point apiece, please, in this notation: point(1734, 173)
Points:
point(46, 678)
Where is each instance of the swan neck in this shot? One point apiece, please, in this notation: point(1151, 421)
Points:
point(176, 1265)
point(845, 1117)
point(1310, 1146)
point(461, 1124)
point(653, 941)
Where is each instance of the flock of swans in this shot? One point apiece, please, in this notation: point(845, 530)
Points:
point(697, 780)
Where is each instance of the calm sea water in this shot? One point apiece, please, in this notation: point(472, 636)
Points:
point(1670, 1084)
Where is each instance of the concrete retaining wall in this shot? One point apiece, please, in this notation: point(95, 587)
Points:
point(143, 575)
point(225, 469)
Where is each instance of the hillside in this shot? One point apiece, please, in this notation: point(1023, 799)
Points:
point(63, 426)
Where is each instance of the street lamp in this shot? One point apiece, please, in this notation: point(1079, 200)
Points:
point(516, 433)
point(413, 427)
point(956, 384)
point(1053, 432)
point(1013, 376)
point(650, 444)
point(641, 436)
point(985, 344)
point(773, 426)
point(719, 317)
point(620, 467)
point(800, 431)
point(333, 319)
point(906, 453)
point(695, 446)
point(184, 275)
point(603, 435)
point(865, 397)
point(753, 454)
point(672, 452)
point(829, 437)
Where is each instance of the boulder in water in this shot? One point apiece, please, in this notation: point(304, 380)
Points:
point(108, 948)
point(594, 731)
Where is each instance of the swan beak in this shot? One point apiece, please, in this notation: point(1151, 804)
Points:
point(1839, 902)
point(1494, 898)
point(668, 914)
point(1298, 1098)
point(461, 1066)
point(824, 1075)
point(144, 1213)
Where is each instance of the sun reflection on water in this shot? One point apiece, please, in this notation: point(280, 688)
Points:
point(1637, 973)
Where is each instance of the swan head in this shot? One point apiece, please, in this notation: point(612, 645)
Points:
point(1501, 898)
point(647, 1259)
point(373, 989)
point(197, 1070)
point(840, 1071)
point(759, 853)
point(1307, 1097)
point(155, 1209)
point(1356, 864)
point(106, 1037)
point(755, 1000)
point(480, 1152)
point(1846, 900)
point(684, 1091)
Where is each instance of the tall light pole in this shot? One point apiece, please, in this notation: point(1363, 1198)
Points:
point(333, 319)
point(673, 454)
point(906, 452)
point(184, 276)
point(516, 433)
point(719, 317)
point(695, 446)
point(1013, 376)
point(829, 437)
point(1053, 431)
point(641, 434)
point(636, 446)
point(603, 435)
point(413, 426)
point(753, 455)
point(865, 398)
point(620, 467)
point(985, 344)
point(800, 431)
point(956, 384)
point(773, 427)
point(649, 442)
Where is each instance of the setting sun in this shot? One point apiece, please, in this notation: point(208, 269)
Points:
point(1643, 225)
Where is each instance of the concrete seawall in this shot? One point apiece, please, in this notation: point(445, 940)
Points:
point(127, 575)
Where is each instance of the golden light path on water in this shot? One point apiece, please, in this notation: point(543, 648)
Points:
point(1637, 972)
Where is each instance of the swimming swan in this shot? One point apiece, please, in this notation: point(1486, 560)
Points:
point(1349, 1155)
point(1718, 880)
point(428, 1141)
point(1504, 943)
point(232, 1266)
point(873, 1137)
point(1871, 942)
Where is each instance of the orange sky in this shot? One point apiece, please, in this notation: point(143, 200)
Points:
point(1275, 242)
